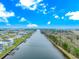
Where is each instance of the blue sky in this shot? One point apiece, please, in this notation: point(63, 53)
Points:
point(39, 13)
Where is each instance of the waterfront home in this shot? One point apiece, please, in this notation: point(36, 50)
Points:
point(6, 37)
point(18, 36)
point(9, 42)
point(4, 44)
point(12, 34)
point(1, 46)
point(21, 33)
point(1, 39)
point(0, 34)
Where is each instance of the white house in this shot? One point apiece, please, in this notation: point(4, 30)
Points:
point(1, 39)
point(9, 42)
point(1, 46)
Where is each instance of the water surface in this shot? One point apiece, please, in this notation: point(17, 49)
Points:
point(36, 47)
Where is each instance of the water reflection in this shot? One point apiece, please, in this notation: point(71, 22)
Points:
point(36, 47)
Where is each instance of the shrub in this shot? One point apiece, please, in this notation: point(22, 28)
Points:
point(76, 52)
point(65, 46)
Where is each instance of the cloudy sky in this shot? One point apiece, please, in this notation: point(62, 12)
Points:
point(39, 13)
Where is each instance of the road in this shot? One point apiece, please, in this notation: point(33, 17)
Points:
point(36, 47)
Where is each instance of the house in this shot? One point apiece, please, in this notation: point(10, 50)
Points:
point(8, 42)
point(11, 40)
point(1, 39)
point(6, 37)
point(1, 46)
point(18, 36)
point(23, 32)
point(0, 34)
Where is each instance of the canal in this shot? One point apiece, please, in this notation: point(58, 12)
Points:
point(36, 47)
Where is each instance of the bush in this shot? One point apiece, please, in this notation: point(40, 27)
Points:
point(65, 46)
point(76, 52)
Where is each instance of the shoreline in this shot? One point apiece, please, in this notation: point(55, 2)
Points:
point(68, 55)
point(10, 51)
point(14, 46)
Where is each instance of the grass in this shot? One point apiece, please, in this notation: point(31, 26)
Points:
point(17, 42)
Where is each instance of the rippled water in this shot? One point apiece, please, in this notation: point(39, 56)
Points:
point(36, 47)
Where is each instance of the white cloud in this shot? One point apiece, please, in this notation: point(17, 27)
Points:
point(53, 8)
point(23, 19)
point(29, 4)
point(73, 15)
point(43, 5)
point(49, 22)
point(45, 11)
point(43, 8)
point(33, 5)
point(56, 16)
point(4, 14)
point(32, 26)
point(2, 7)
point(3, 20)
point(62, 17)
